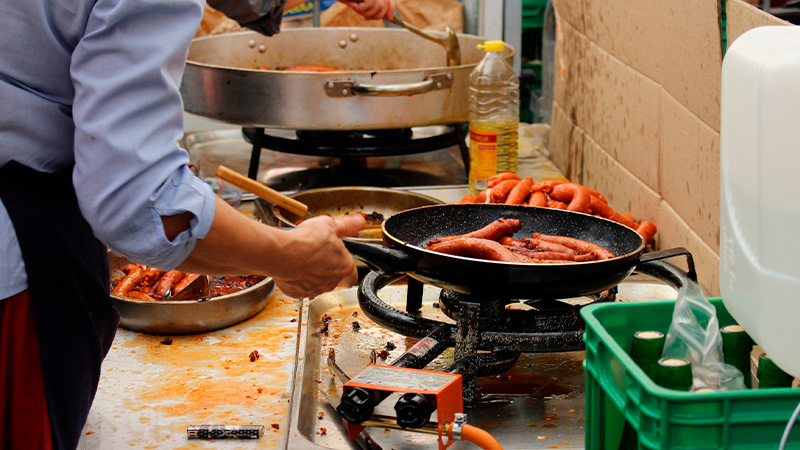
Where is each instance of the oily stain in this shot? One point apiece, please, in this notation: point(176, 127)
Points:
point(228, 378)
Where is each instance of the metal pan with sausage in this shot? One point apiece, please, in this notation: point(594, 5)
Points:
point(407, 234)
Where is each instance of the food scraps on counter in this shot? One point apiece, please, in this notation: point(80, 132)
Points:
point(495, 242)
point(152, 284)
point(511, 189)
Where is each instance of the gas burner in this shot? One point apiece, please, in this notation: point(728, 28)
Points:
point(353, 175)
point(525, 315)
point(351, 145)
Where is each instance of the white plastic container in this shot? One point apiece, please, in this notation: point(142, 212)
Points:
point(760, 189)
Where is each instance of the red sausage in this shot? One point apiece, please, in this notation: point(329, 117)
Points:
point(577, 197)
point(499, 193)
point(577, 244)
point(538, 198)
point(167, 282)
point(137, 295)
point(494, 231)
point(548, 246)
point(603, 210)
point(520, 192)
point(475, 248)
point(135, 274)
point(494, 180)
point(536, 256)
point(555, 204)
point(647, 230)
point(469, 199)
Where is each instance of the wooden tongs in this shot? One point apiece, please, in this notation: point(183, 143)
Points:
point(261, 191)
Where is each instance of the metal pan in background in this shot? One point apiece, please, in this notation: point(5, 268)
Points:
point(337, 201)
point(406, 235)
point(389, 78)
point(191, 316)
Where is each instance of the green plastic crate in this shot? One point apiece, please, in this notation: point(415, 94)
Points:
point(533, 13)
point(617, 389)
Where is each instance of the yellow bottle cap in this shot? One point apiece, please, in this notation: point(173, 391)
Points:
point(493, 46)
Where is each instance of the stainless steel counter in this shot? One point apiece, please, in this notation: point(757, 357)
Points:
point(150, 391)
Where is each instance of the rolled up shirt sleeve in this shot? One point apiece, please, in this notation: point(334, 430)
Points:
point(128, 114)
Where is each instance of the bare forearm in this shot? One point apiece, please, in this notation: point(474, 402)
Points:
point(304, 262)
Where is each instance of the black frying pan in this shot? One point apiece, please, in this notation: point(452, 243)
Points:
point(406, 235)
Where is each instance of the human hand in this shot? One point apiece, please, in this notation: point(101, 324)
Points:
point(372, 9)
point(315, 259)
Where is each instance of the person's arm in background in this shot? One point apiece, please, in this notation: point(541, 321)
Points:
point(265, 16)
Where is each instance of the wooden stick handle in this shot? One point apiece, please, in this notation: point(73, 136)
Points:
point(263, 192)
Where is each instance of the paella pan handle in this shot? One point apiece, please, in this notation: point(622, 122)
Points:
point(384, 260)
point(651, 257)
point(349, 88)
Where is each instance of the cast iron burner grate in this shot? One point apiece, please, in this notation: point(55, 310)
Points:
point(489, 334)
point(353, 146)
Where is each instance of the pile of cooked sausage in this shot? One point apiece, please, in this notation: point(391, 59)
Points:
point(152, 284)
point(510, 189)
point(495, 242)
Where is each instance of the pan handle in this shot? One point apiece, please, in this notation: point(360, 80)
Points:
point(669, 253)
point(437, 81)
point(383, 260)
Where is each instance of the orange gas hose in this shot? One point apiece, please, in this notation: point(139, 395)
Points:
point(477, 436)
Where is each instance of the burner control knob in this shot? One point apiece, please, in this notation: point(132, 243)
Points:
point(413, 410)
point(356, 406)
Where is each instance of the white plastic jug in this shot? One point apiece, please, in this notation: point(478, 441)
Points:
point(760, 189)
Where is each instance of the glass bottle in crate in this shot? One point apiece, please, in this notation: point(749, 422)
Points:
point(493, 117)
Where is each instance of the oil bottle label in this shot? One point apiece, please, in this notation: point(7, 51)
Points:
point(483, 155)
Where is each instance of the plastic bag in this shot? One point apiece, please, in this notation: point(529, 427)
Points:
point(694, 335)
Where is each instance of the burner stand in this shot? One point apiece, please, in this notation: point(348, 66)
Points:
point(352, 146)
point(481, 325)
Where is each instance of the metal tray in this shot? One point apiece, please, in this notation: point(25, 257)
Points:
point(538, 404)
point(187, 317)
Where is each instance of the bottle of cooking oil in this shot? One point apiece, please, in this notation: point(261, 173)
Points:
point(493, 117)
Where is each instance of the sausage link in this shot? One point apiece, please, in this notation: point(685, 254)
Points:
point(135, 274)
point(167, 282)
point(475, 248)
point(494, 231)
point(538, 198)
point(537, 256)
point(520, 192)
point(577, 197)
point(499, 193)
point(647, 230)
point(603, 210)
point(469, 199)
point(494, 180)
point(577, 244)
point(138, 295)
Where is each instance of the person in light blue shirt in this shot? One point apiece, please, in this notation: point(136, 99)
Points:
point(91, 116)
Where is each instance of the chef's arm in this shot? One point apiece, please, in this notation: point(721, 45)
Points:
point(305, 261)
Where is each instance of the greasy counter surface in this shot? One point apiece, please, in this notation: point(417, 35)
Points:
point(151, 390)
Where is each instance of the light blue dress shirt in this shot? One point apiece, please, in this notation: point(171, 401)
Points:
point(94, 83)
